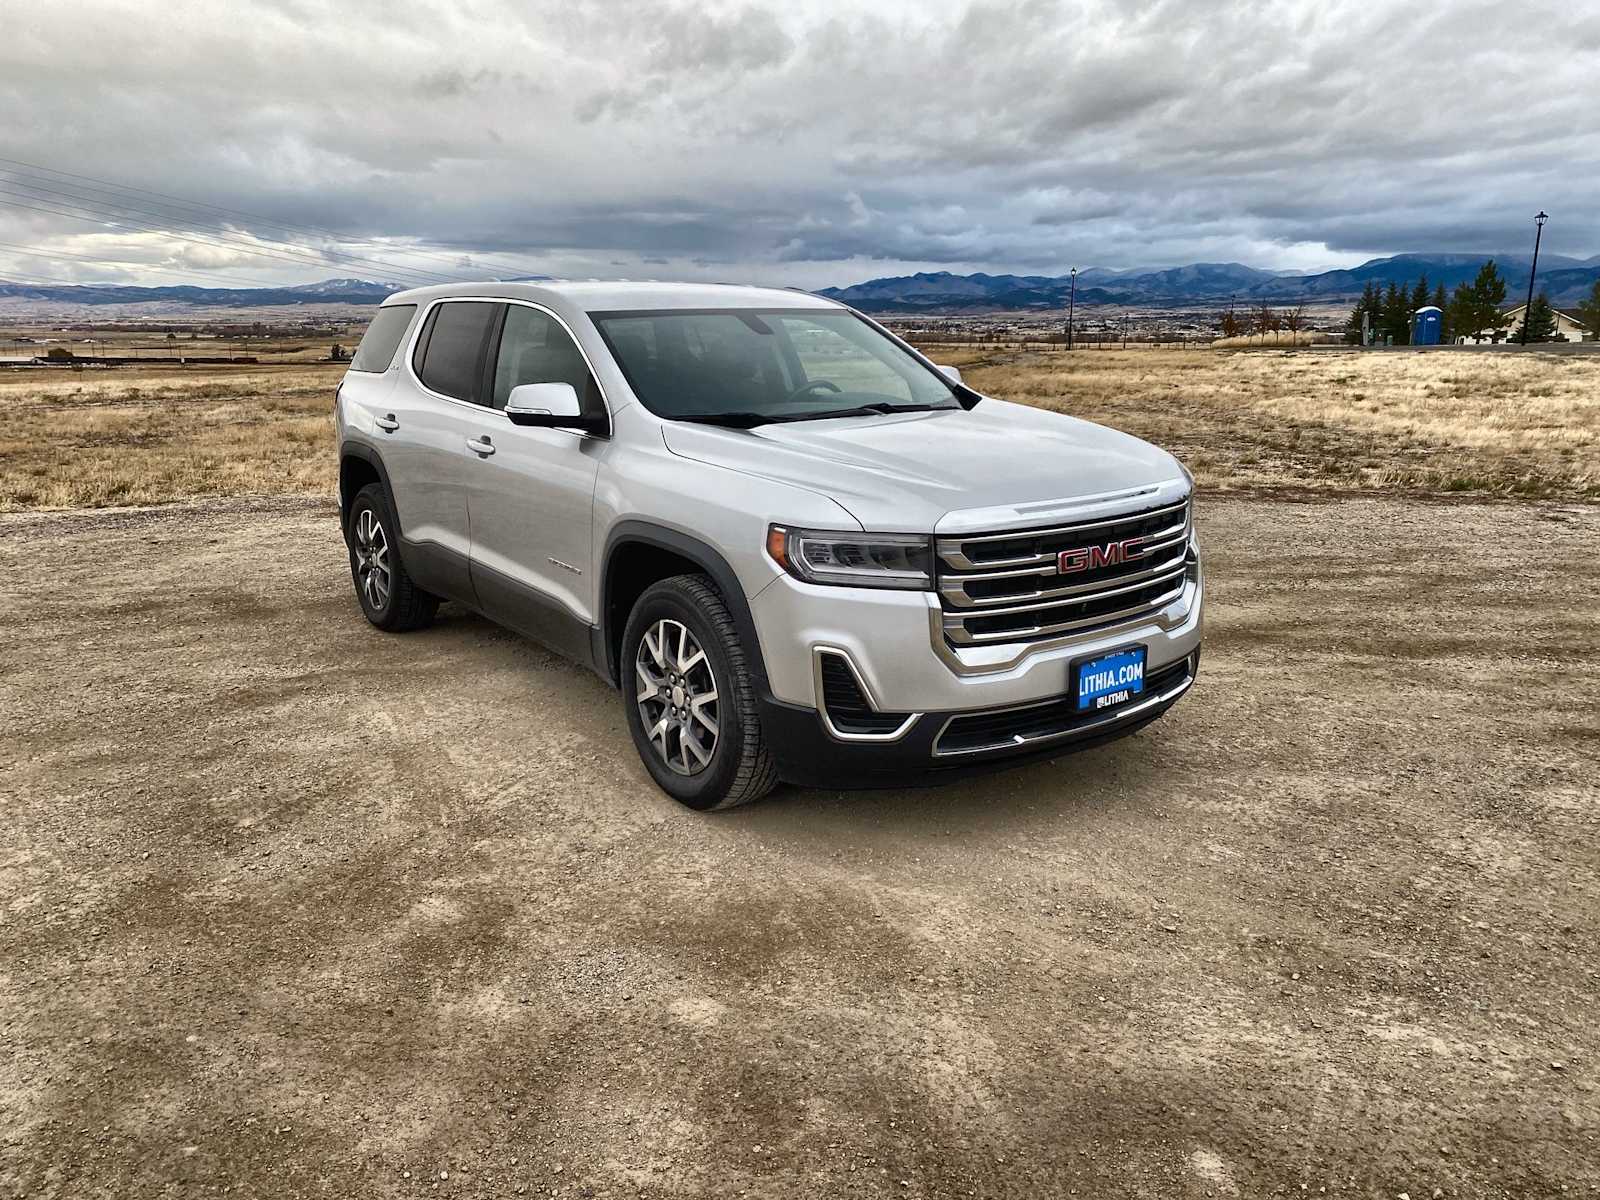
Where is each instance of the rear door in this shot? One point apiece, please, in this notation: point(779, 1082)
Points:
point(374, 372)
point(432, 409)
point(530, 492)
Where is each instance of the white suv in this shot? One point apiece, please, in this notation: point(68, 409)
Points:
point(799, 549)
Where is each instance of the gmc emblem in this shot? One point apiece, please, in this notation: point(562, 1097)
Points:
point(1088, 558)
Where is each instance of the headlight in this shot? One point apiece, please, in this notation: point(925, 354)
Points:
point(882, 560)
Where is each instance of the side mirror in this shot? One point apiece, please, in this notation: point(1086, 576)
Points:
point(953, 374)
point(546, 405)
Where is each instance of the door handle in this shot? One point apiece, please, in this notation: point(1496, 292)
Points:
point(481, 446)
point(387, 423)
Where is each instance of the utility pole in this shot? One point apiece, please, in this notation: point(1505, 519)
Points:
point(1072, 304)
point(1538, 232)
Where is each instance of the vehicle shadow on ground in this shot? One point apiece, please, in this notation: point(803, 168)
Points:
point(1000, 803)
point(1005, 803)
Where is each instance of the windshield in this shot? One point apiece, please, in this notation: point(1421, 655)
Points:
point(752, 366)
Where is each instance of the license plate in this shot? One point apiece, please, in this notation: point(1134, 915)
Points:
point(1108, 680)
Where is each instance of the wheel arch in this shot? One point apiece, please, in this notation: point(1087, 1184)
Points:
point(639, 553)
point(358, 466)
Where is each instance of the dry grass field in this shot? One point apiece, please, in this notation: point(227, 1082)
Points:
point(149, 435)
point(1283, 422)
point(1280, 423)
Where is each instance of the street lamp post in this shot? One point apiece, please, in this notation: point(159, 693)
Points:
point(1072, 304)
point(1538, 232)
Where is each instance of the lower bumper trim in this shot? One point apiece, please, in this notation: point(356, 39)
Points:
point(1051, 720)
point(807, 755)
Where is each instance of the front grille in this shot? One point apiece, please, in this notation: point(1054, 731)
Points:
point(848, 709)
point(1007, 587)
point(1013, 727)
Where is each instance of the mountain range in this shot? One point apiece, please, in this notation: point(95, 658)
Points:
point(1567, 280)
point(327, 291)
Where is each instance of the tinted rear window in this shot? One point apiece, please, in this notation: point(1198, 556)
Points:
point(382, 338)
point(452, 348)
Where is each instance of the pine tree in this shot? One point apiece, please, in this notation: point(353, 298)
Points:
point(1396, 320)
point(1458, 317)
point(1368, 307)
point(1488, 296)
point(1538, 323)
point(1589, 312)
point(1420, 294)
point(1446, 332)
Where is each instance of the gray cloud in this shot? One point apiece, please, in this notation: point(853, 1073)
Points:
point(799, 143)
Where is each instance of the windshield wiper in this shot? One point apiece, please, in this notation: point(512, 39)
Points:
point(732, 420)
point(869, 410)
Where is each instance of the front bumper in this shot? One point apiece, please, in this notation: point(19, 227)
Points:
point(895, 642)
point(810, 754)
point(965, 708)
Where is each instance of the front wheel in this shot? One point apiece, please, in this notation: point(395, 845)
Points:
point(690, 703)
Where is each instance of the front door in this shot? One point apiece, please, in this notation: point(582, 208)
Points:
point(530, 493)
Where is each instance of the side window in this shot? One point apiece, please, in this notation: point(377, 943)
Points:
point(450, 352)
point(382, 338)
point(535, 349)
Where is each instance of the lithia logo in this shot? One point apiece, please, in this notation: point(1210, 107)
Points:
point(1089, 558)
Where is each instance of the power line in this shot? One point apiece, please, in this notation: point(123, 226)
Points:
point(317, 229)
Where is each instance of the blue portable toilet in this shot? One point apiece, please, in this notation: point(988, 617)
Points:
point(1426, 325)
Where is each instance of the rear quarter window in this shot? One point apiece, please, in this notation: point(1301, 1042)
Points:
point(382, 339)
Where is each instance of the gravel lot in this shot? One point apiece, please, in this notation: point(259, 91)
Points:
point(290, 907)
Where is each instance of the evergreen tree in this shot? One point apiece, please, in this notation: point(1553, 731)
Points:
point(1446, 333)
point(1420, 294)
point(1396, 318)
point(1589, 312)
point(1488, 297)
point(1458, 316)
point(1369, 307)
point(1538, 324)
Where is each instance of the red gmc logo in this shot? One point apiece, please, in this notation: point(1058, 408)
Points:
point(1088, 558)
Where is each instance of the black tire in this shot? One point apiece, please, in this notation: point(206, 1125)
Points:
point(739, 769)
point(400, 605)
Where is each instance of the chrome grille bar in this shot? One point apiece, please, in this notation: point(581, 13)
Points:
point(955, 624)
point(1012, 598)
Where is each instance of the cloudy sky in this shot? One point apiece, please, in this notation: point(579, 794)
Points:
point(811, 142)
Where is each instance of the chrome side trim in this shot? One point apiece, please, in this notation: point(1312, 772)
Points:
point(894, 735)
point(1016, 739)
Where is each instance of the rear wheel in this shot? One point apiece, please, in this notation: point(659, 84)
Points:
point(387, 594)
point(690, 702)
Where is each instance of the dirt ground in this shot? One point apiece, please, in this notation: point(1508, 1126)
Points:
point(290, 907)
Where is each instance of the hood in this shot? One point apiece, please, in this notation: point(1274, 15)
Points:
point(910, 472)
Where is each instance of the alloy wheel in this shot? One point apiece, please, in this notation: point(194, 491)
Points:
point(677, 697)
point(372, 559)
